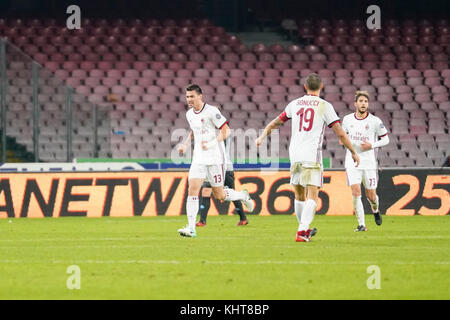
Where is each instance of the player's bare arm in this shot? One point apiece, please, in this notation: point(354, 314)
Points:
point(273, 125)
point(345, 141)
point(225, 131)
point(182, 147)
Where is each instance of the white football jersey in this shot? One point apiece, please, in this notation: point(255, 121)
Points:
point(310, 114)
point(204, 124)
point(369, 129)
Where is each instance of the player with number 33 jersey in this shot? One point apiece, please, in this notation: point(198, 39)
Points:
point(367, 133)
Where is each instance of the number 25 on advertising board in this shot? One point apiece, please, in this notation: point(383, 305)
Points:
point(428, 192)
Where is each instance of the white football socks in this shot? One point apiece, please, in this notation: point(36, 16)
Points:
point(191, 211)
point(233, 195)
point(374, 205)
point(307, 214)
point(359, 210)
point(298, 206)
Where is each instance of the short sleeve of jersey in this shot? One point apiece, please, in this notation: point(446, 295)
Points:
point(381, 129)
point(344, 124)
point(188, 116)
point(286, 114)
point(330, 115)
point(288, 111)
point(217, 118)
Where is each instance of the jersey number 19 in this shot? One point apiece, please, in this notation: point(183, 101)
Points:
point(306, 116)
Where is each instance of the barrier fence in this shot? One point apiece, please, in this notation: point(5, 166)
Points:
point(42, 113)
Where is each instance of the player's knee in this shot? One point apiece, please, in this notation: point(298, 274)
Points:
point(193, 191)
point(300, 194)
point(300, 197)
point(356, 192)
point(312, 193)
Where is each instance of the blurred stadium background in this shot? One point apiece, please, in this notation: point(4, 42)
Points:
point(115, 88)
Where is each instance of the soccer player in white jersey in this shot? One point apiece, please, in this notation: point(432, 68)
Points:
point(209, 157)
point(367, 133)
point(206, 191)
point(310, 115)
point(205, 199)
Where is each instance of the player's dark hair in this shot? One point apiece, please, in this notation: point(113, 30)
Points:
point(313, 82)
point(360, 93)
point(194, 87)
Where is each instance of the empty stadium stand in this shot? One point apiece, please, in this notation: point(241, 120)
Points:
point(146, 63)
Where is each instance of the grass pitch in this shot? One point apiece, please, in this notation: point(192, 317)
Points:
point(145, 258)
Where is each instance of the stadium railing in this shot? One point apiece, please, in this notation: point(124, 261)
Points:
point(43, 113)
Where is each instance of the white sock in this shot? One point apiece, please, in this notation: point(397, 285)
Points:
point(191, 211)
point(374, 205)
point(233, 195)
point(298, 205)
point(307, 214)
point(359, 210)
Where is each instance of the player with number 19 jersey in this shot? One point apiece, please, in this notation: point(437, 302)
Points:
point(310, 114)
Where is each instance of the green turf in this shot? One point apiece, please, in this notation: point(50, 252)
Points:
point(145, 258)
